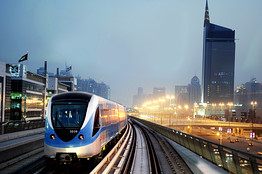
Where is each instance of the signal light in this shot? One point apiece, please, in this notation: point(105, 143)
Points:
point(81, 137)
point(52, 136)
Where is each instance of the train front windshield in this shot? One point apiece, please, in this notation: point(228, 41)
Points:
point(68, 114)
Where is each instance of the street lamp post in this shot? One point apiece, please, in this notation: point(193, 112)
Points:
point(253, 103)
point(205, 108)
point(161, 109)
point(221, 104)
point(186, 107)
point(213, 110)
point(170, 108)
point(189, 127)
point(229, 117)
point(195, 107)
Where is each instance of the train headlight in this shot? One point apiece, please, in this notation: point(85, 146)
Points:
point(52, 136)
point(81, 137)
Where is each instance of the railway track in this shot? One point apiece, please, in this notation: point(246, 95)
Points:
point(162, 156)
point(137, 145)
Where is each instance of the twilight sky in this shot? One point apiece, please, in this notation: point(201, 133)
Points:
point(128, 44)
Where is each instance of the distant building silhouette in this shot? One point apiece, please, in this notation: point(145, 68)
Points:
point(103, 90)
point(140, 91)
point(182, 95)
point(41, 71)
point(91, 86)
point(190, 94)
point(250, 91)
point(139, 98)
point(159, 92)
point(218, 62)
point(194, 90)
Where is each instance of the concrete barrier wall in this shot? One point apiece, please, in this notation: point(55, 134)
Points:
point(20, 134)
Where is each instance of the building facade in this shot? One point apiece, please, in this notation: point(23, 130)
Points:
point(139, 98)
point(91, 86)
point(103, 90)
point(55, 87)
point(248, 92)
point(5, 92)
point(159, 92)
point(182, 95)
point(218, 62)
point(70, 81)
point(28, 93)
point(194, 91)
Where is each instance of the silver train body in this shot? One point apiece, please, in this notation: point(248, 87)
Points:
point(79, 125)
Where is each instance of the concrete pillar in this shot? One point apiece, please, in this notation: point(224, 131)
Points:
point(234, 130)
point(241, 131)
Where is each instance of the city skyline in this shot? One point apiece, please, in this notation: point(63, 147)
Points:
point(128, 44)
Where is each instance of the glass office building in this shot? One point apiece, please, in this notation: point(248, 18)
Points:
point(5, 91)
point(27, 94)
point(218, 63)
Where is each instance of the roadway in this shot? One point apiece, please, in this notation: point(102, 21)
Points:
point(242, 145)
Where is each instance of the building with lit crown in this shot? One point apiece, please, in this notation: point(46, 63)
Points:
point(218, 62)
point(194, 91)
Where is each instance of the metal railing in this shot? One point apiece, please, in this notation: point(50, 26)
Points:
point(14, 126)
point(231, 160)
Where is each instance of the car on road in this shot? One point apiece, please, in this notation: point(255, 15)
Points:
point(232, 141)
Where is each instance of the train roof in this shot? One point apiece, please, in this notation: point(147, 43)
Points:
point(78, 95)
point(72, 96)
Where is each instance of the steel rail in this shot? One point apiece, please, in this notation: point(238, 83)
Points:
point(175, 161)
point(109, 156)
point(131, 154)
point(154, 164)
point(116, 156)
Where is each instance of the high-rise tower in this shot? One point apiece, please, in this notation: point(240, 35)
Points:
point(218, 62)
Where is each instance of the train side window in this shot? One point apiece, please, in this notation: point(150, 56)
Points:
point(96, 122)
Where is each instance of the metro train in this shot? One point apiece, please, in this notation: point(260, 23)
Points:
point(79, 125)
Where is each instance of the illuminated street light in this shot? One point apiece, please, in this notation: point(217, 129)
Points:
point(205, 107)
point(189, 127)
point(213, 105)
point(195, 106)
point(221, 105)
point(161, 109)
point(253, 103)
point(220, 135)
point(230, 104)
point(170, 106)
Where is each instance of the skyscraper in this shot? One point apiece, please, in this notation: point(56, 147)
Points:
point(194, 91)
point(218, 62)
point(182, 95)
